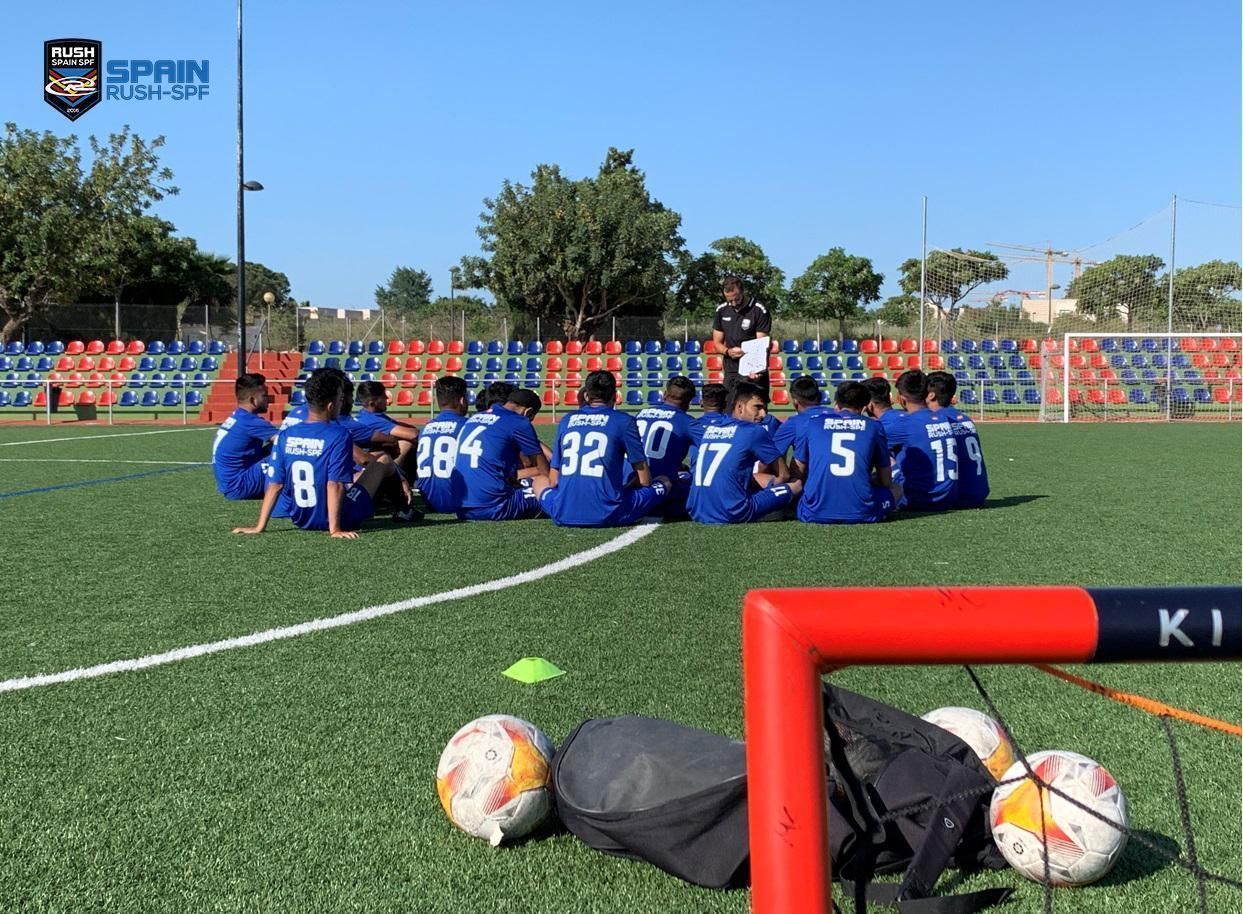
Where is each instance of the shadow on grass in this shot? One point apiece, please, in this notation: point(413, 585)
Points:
point(1139, 861)
point(1010, 501)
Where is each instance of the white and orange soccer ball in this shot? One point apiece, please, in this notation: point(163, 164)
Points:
point(492, 778)
point(979, 731)
point(1080, 847)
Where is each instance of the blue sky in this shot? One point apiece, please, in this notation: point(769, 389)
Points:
point(378, 131)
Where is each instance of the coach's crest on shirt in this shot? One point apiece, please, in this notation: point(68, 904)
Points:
point(746, 323)
point(71, 75)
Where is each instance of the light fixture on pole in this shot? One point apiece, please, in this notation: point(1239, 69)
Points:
point(1049, 300)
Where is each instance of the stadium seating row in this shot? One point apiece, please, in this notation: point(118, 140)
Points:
point(115, 348)
point(108, 363)
point(128, 398)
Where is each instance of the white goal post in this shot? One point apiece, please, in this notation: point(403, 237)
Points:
point(1161, 376)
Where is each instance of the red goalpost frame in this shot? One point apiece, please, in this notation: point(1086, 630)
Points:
point(791, 637)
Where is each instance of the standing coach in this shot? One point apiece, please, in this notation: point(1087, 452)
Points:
point(740, 317)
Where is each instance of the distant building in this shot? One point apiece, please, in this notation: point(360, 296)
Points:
point(1038, 309)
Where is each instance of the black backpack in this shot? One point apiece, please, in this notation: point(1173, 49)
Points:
point(904, 796)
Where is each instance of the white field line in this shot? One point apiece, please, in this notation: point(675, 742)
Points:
point(616, 544)
point(163, 431)
point(178, 463)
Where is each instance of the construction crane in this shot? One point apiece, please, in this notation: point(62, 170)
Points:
point(1047, 256)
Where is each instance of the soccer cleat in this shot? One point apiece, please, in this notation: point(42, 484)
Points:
point(408, 515)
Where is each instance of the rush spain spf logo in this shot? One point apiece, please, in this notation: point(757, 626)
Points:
point(72, 75)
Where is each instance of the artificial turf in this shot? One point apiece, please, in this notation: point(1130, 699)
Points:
point(298, 775)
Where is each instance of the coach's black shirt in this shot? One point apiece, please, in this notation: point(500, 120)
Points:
point(741, 325)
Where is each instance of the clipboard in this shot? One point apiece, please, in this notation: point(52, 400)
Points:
point(754, 356)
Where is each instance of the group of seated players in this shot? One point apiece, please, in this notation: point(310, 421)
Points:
point(860, 460)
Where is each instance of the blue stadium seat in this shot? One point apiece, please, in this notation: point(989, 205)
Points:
point(150, 398)
point(968, 346)
point(955, 363)
point(1118, 360)
point(833, 362)
point(176, 347)
point(794, 363)
point(535, 347)
point(6, 363)
point(789, 347)
point(828, 347)
point(366, 376)
point(633, 347)
point(975, 362)
point(634, 397)
point(655, 379)
point(1149, 345)
point(196, 347)
point(815, 363)
point(1010, 397)
point(532, 381)
point(471, 379)
point(512, 377)
point(470, 397)
point(1180, 360)
point(673, 347)
point(194, 398)
point(493, 364)
point(961, 376)
point(172, 398)
point(818, 377)
point(1202, 395)
point(490, 376)
point(634, 378)
point(1130, 344)
point(655, 398)
point(1031, 396)
point(56, 347)
point(1139, 360)
point(474, 363)
point(654, 363)
point(534, 363)
point(25, 363)
point(836, 377)
point(372, 363)
point(336, 347)
point(376, 347)
point(1138, 396)
point(695, 400)
point(14, 347)
point(12, 380)
point(513, 348)
point(310, 363)
point(168, 363)
point(333, 361)
point(513, 363)
point(5, 398)
point(352, 364)
point(1024, 376)
point(1127, 376)
point(209, 363)
point(34, 347)
point(1008, 346)
point(215, 347)
point(673, 363)
point(356, 348)
point(1148, 375)
point(1181, 395)
point(146, 363)
point(301, 378)
point(22, 398)
point(811, 347)
point(651, 347)
point(694, 363)
point(988, 346)
point(983, 375)
point(850, 346)
point(199, 380)
point(1109, 344)
point(128, 398)
point(694, 347)
point(496, 347)
point(1191, 374)
point(858, 376)
point(475, 347)
point(1002, 376)
point(948, 346)
point(996, 361)
point(155, 347)
point(854, 362)
point(634, 363)
point(990, 397)
point(1017, 361)
point(156, 380)
point(189, 363)
point(1160, 361)
point(315, 347)
point(137, 379)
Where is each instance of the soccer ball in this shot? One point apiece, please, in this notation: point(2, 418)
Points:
point(1080, 847)
point(492, 778)
point(979, 731)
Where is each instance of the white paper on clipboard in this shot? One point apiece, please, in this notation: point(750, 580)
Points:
point(754, 356)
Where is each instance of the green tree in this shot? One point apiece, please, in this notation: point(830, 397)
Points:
point(1124, 286)
point(898, 310)
point(1206, 297)
point(699, 288)
point(574, 253)
point(836, 285)
point(951, 276)
point(407, 292)
point(61, 229)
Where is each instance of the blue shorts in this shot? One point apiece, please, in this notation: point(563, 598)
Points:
point(520, 504)
point(765, 502)
point(248, 484)
point(636, 505)
point(356, 507)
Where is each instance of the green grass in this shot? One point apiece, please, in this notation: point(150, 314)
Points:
point(298, 776)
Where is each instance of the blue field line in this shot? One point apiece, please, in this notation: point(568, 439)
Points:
point(95, 482)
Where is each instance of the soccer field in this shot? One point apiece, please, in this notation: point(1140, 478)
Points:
point(295, 771)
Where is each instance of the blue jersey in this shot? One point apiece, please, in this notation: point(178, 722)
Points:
point(439, 479)
point(972, 474)
point(488, 450)
point(382, 423)
point(888, 419)
point(242, 441)
point(840, 451)
point(666, 434)
point(771, 423)
point(790, 431)
point(360, 432)
point(305, 459)
point(724, 465)
point(296, 415)
point(697, 427)
point(592, 452)
point(928, 459)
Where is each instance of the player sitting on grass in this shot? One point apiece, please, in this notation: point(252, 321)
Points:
point(313, 466)
point(807, 397)
point(372, 402)
point(243, 441)
point(438, 479)
point(587, 484)
point(972, 474)
point(494, 449)
point(666, 434)
point(724, 487)
point(844, 457)
point(881, 406)
point(927, 451)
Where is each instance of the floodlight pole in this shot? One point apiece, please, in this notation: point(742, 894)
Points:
point(923, 276)
point(241, 210)
point(1169, 316)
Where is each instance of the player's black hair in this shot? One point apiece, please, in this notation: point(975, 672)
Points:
point(496, 392)
point(744, 391)
point(942, 386)
point(853, 395)
point(248, 384)
point(323, 388)
point(730, 282)
point(913, 386)
point(879, 389)
point(805, 390)
point(600, 385)
point(372, 394)
point(527, 399)
point(713, 397)
point(681, 389)
point(449, 389)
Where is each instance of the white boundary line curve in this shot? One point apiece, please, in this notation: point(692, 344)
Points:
point(163, 431)
point(178, 463)
point(616, 544)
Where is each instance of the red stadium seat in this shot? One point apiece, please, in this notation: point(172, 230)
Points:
point(107, 363)
point(1029, 346)
point(612, 347)
point(116, 347)
point(87, 363)
point(436, 347)
point(409, 379)
point(1058, 361)
point(456, 347)
point(41, 397)
point(879, 374)
point(869, 347)
point(594, 347)
point(1208, 344)
point(127, 363)
point(95, 347)
point(136, 347)
point(65, 399)
point(612, 363)
point(117, 379)
point(595, 364)
point(889, 346)
point(106, 398)
point(553, 381)
point(716, 363)
point(774, 363)
point(453, 364)
point(553, 363)
point(1098, 361)
point(1108, 374)
point(95, 379)
point(936, 363)
point(1222, 359)
point(909, 346)
point(709, 347)
point(1210, 374)
point(874, 362)
point(388, 379)
point(75, 347)
point(914, 361)
point(1053, 345)
point(1200, 360)
point(1229, 344)
point(1036, 361)
point(573, 378)
point(894, 362)
point(554, 347)
point(931, 346)
point(571, 397)
point(86, 398)
point(74, 380)
point(573, 347)
point(573, 364)
point(64, 363)
point(1221, 395)
point(776, 379)
point(433, 363)
point(1089, 345)
point(781, 398)
point(1231, 374)
point(617, 400)
point(1053, 396)
point(405, 398)
point(716, 377)
point(1087, 376)
point(429, 379)
point(414, 363)
point(1076, 395)
point(1117, 396)
point(1096, 396)
point(1077, 360)
point(396, 347)
point(416, 347)
point(425, 398)
point(551, 398)
point(392, 363)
